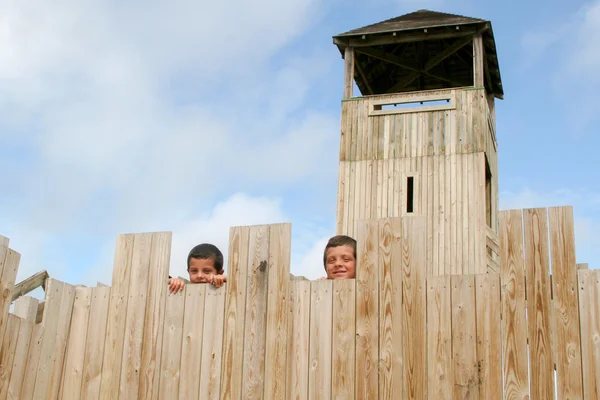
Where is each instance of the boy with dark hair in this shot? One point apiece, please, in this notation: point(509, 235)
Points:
point(339, 257)
point(205, 265)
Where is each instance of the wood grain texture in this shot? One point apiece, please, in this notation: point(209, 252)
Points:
point(319, 376)
point(154, 315)
point(116, 320)
point(256, 313)
point(212, 343)
point(7, 352)
point(343, 339)
point(390, 310)
point(298, 340)
point(539, 303)
point(75, 352)
point(33, 357)
point(20, 358)
point(566, 309)
point(514, 324)
point(9, 264)
point(131, 358)
point(276, 334)
point(367, 311)
point(170, 366)
point(464, 335)
point(439, 339)
point(589, 301)
point(414, 314)
point(191, 348)
point(235, 306)
point(489, 343)
point(94, 348)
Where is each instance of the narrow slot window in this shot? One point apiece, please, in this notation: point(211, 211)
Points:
point(410, 182)
point(488, 194)
point(412, 104)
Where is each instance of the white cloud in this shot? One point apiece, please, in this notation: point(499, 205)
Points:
point(129, 117)
point(570, 50)
point(310, 264)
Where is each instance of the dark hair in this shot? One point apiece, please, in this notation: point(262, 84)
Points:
point(336, 241)
point(207, 251)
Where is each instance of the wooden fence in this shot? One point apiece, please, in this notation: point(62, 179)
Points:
point(393, 333)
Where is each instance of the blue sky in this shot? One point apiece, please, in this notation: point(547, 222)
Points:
point(192, 117)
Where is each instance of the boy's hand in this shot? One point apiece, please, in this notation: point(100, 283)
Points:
point(175, 285)
point(218, 280)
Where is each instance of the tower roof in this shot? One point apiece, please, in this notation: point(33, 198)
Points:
point(427, 42)
point(414, 20)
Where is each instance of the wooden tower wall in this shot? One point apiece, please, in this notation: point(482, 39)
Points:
point(444, 149)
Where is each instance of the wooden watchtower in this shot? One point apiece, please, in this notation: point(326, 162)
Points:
point(421, 139)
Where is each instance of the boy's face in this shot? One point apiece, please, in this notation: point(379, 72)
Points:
point(201, 269)
point(341, 263)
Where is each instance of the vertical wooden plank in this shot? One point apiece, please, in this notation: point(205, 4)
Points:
point(33, 357)
point(589, 301)
point(367, 312)
point(256, 313)
point(319, 377)
point(464, 335)
point(348, 72)
point(414, 313)
point(171, 345)
point(131, 359)
point(212, 343)
point(344, 124)
point(9, 264)
point(75, 352)
point(478, 74)
point(439, 339)
point(20, 358)
point(7, 352)
point(154, 315)
point(298, 342)
point(54, 293)
point(340, 216)
point(448, 232)
point(235, 305)
point(489, 344)
point(539, 303)
point(117, 315)
point(276, 335)
point(343, 339)
point(434, 218)
point(62, 333)
point(460, 218)
point(351, 219)
point(94, 347)
point(566, 310)
point(454, 229)
point(390, 310)
point(191, 349)
point(514, 324)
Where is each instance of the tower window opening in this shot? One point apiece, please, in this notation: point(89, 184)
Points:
point(410, 182)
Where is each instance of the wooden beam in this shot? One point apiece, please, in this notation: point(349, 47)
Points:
point(404, 37)
point(29, 284)
point(478, 74)
point(363, 77)
point(438, 59)
point(392, 59)
point(348, 72)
